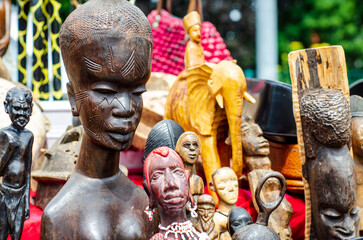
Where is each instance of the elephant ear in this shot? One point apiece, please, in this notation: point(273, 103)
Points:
point(201, 103)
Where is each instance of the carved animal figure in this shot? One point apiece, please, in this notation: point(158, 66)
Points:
point(207, 101)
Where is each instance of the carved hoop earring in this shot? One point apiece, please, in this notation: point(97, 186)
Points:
point(149, 212)
point(192, 209)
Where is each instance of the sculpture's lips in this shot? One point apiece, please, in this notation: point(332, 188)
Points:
point(174, 198)
point(120, 137)
point(343, 234)
point(192, 156)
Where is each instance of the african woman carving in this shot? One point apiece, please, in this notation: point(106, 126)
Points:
point(106, 46)
point(326, 124)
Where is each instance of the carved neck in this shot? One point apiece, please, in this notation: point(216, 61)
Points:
point(190, 168)
point(258, 162)
point(167, 219)
point(225, 207)
point(95, 161)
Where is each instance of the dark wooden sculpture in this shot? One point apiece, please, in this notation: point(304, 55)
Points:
point(206, 206)
point(188, 148)
point(225, 185)
point(15, 163)
point(106, 46)
point(322, 115)
point(356, 108)
point(167, 183)
point(238, 218)
point(260, 230)
point(256, 150)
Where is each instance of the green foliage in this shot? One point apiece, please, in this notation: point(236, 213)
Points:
point(335, 22)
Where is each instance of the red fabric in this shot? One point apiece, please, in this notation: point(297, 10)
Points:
point(32, 225)
point(169, 44)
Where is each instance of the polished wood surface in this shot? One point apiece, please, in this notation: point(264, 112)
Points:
point(106, 47)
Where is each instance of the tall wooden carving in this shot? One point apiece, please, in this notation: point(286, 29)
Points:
point(256, 150)
point(15, 163)
point(322, 115)
point(106, 46)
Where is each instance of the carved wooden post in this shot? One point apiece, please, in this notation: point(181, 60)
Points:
point(319, 80)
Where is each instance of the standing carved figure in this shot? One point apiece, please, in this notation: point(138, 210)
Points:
point(326, 123)
point(256, 150)
point(15, 163)
point(194, 55)
point(356, 107)
point(106, 46)
point(206, 206)
point(168, 187)
point(188, 148)
point(225, 185)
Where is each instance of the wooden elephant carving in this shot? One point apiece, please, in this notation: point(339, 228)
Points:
point(207, 100)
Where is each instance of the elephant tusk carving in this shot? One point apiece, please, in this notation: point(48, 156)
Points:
point(219, 99)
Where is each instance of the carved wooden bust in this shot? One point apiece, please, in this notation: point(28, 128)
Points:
point(206, 206)
point(168, 186)
point(225, 184)
point(326, 124)
point(106, 46)
point(15, 163)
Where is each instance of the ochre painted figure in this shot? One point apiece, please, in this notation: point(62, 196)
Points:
point(15, 163)
point(188, 148)
point(168, 187)
point(225, 185)
point(206, 206)
point(194, 55)
point(256, 150)
point(106, 47)
point(356, 107)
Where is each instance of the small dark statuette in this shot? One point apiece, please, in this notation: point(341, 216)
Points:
point(15, 163)
point(327, 129)
point(206, 206)
point(260, 230)
point(168, 187)
point(106, 47)
point(238, 218)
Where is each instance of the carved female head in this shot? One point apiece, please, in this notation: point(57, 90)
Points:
point(106, 50)
point(225, 184)
point(167, 181)
point(188, 147)
point(253, 142)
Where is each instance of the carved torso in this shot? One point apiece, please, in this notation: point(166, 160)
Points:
point(113, 210)
point(194, 55)
point(14, 156)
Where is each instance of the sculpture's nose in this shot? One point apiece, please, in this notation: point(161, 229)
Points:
point(123, 106)
point(169, 179)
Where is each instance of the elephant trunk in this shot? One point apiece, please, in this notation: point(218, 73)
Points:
point(234, 115)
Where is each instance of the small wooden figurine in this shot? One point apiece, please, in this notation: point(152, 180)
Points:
point(323, 121)
point(260, 230)
point(194, 55)
point(256, 150)
point(356, 108)
point(106, 47)
point(188, 148)
point(15, 163)
point(206, 206)
point(168, 187)
point(238, 218)
point(225, 185)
